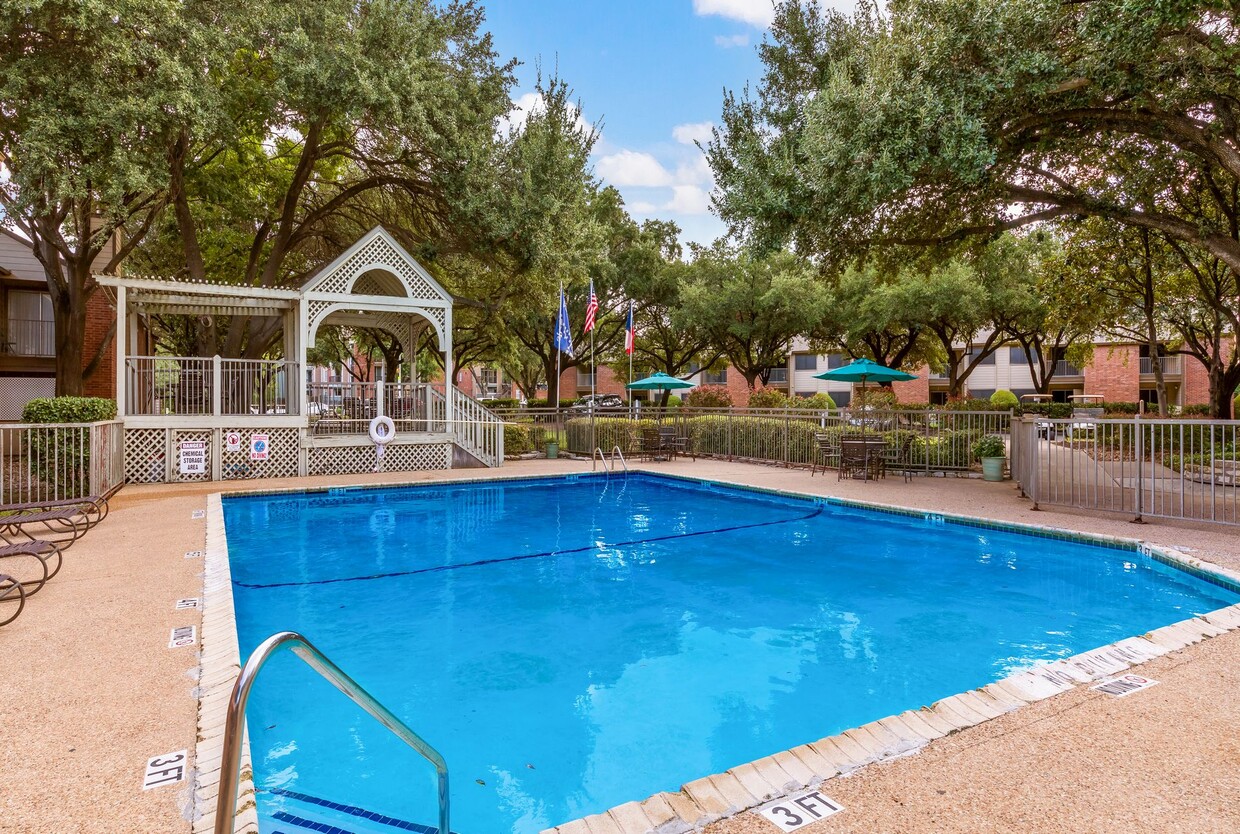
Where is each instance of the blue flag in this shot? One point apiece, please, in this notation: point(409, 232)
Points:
point(563, 333)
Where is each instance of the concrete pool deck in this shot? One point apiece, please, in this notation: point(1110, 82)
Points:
point(89, 690)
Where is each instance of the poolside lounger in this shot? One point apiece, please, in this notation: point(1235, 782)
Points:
point(12, 599)
point(62, 525)
point(45, 554)
point(94, 507)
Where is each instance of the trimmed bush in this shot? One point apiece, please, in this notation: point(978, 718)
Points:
point(69, 410)
point(767, 398)
point(543, 403)
point(673, 401)
point(971, 404)
point(1004, 399)
point(1055, 411)
point(1122, 408)
point(517, 439)
point(818, 402)
point(502, 402)
point(709, 396)
point(609, 432)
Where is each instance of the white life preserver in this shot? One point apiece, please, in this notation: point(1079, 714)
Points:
point(382, 429)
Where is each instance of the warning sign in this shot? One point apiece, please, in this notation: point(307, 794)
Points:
point(193, 457)
point(232, 441)
point(259, 447)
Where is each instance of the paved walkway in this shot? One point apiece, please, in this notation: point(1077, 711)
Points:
point(89, 690)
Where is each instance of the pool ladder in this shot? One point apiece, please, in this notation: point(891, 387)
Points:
point(615, 452)
point(234, 723)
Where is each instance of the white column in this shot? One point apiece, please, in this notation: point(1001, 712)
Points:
point(122, 340)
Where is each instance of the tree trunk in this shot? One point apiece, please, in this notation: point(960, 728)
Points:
point(1222, 390)
point(70, 337)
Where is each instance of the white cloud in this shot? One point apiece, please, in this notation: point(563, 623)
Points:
point(688, 199)
point(730, 41)
point(695, 171)
point(528, 104)
point(692, 133)
point(758, 13)
point(633, 168)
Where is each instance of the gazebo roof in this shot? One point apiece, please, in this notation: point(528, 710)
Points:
point(185, 297)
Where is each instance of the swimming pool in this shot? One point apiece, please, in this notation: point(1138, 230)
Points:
point(572, 644)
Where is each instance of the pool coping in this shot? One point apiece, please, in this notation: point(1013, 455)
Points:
point(746, 786)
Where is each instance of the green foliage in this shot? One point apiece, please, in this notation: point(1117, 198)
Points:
point(1054, 411)
point(673, 401)
point(970, 404)
point(543, 403)
point(708, 396)
point(1005, 399)
point(609, 432)
point(989, 446)
point(517, 439)
point(817, 402)
point(767, 398)
point(502, 402)
point(1120, 408)
point(69, 410)
point(883, 399)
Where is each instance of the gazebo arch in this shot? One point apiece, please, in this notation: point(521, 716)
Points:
point(168, 402)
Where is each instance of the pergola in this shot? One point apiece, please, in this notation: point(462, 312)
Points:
point(376, 284)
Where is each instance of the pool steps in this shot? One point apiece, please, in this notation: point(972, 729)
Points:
point(701, 802)
point(712, 798)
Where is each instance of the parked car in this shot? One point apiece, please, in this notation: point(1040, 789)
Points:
point(597, 403)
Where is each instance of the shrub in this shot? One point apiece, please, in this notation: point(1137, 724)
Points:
point(990, 446)
point(818, 402)
point(882, 399)
point(502, 402)
point(972, 404)
point(768, 398)
point(709, 396)
point(69, 410)
point(517, 439)
point(609, 432)
point(61, 457)
point(673, 401)
point(1055, 411)
point(1121, 408)
point(1198, 410)
point(1004, 399)
point(542, 403)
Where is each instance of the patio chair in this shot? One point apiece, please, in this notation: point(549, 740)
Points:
point(828, 449)
point(652, 447)
point(899, 456)
point(673, 442)
point(63, 525)
point(45, 560)
point(12, 593)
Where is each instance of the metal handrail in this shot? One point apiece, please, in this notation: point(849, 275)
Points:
point(230, 764)
point(615, 450)
point(599, 455)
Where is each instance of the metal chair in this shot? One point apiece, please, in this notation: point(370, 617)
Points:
point(828, 449)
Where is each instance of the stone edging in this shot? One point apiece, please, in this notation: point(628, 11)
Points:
point(220, 666)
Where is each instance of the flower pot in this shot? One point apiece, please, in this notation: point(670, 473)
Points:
point(553, 450)
point(992, 469)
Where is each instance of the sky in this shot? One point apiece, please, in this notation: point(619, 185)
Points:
point(653, 72)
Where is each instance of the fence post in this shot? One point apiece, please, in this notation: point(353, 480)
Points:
point(217, 388)
point(925, 423)
point(1140, 502)
point(786, 430)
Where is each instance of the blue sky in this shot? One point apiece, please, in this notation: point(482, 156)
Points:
point(654, 72)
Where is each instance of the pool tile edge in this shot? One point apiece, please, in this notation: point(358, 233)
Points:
point(220, 665)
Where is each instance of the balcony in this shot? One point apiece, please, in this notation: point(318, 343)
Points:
point(200, 386)
point(779, 376)
point(29, 337)
point(1170, 365)
point(1065, 368)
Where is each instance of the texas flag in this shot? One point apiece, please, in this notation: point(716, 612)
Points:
point(629, 335)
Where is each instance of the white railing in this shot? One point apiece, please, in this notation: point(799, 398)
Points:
point(475, 429)
point(201, 386)
point(1170, 364)
point(60, 461)
point(1065, 368)
point(1165, 468)
point(30, 337)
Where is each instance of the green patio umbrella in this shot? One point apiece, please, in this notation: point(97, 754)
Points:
point(659, 382)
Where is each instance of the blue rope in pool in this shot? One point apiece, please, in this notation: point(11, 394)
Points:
point(437, 568)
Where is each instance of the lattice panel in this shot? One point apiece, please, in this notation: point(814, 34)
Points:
point(191, 434)
point(348, 460)
point(281, 458)
point(16, 391)
point(144, 455)
point(379, 251)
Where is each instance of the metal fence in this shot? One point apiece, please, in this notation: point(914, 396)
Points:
point(1145, 467)
point(60, 461)
point(935, 440)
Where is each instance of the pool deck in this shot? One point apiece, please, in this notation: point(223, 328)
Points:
point(89, 689)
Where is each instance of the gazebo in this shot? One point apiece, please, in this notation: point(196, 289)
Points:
point(196, 418)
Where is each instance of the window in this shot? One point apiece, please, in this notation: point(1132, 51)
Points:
point(981, 393)
point(584, 379)
point(715, 377)
point(988, 360)
point(806, 362)
point(938, 398)
point(841, 398)
point(777, 376)
point(1018, 356)
point(837, 360)
point(31, 330)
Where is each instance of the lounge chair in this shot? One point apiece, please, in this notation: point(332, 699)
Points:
point(63, 525)
point(45, 554)
point(94, 507)
point(12, 599)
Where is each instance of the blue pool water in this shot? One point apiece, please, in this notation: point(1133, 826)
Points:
point(572, 645)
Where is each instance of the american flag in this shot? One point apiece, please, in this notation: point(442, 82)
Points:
point(629, 335)
point(591, 309)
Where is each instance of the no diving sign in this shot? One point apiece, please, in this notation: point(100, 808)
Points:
point(795, 812)
point(260, 447)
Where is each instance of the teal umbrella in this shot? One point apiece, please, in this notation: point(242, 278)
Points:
point(863, 371)
point(659, 382)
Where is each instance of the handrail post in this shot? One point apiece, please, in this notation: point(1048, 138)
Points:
point(217, 388)
point(1140, 453)
point(230, 755)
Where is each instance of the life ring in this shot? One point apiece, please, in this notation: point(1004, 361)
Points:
point(382, 429)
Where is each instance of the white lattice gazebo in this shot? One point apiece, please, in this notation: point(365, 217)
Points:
point(213, 418)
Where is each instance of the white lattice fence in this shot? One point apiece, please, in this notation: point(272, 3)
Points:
point(283, 447)
point(145, 451)
point(344, 460)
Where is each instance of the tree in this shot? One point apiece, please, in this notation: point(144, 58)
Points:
point(872, 314)
point(94, 96)
point(752, 307)
point(1202, 305)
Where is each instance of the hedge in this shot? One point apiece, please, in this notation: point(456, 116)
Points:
point(69, 410)
point(62, 456)
point(517, 439)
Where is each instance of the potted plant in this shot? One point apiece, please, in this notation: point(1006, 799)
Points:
point(992, 453)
